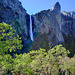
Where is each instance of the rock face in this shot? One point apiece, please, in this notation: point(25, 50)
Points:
point(48, 22)
point(68, 23)
point(68, 30)
point(56, 9)
point(49, 26)
point(12, 12)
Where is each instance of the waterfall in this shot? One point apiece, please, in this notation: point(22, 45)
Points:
point(31, 33)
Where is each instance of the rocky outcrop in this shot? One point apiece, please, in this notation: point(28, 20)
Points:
point(54, 27)
point(48, 22)
point(50, 27)
point(68, 30)
point(56, 9)
point(12, 12)
point(68, 23)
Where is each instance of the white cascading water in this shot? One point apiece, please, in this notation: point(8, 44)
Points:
point(31, 33)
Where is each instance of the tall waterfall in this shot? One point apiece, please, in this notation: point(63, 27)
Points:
point(31, 33)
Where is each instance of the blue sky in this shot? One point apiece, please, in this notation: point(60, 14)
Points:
point(35, 6)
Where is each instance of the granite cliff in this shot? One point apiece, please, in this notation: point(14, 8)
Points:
point(12, 12)
point(48, 23)
point(50, 27)
point(68, 30)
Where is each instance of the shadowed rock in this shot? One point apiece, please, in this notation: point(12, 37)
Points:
point(56, 7)
point(47, 24)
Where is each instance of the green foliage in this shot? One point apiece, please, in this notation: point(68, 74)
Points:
point(9, 41)
point(21, 64)
point(54, 56)
point(67, 65)
point(6, 63)
point(47, 63)
point(38, 62)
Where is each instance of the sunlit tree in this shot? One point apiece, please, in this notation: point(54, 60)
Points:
point(9, 40)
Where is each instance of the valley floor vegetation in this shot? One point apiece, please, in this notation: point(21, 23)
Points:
point(39, 62)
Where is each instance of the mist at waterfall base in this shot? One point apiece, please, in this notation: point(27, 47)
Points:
point(31, 32)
